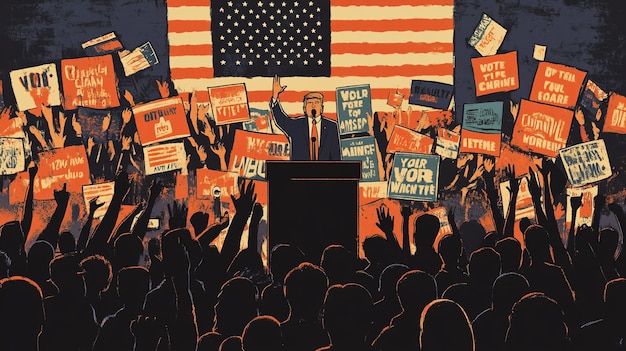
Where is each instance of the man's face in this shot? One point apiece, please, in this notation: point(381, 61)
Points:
point(313, 104)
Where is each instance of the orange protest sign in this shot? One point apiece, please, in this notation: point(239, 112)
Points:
point(405, 140)
point(616, 115)
point(541, 128)
point(371, 191)
point(212, 184)
point(161, 120)
point(68, 165)
point(104, 192)
point(251, 150)
point(557, 85)
point(497, 73)
point(229, 103)
point(89, 82)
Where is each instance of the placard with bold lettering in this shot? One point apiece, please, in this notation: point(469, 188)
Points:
point(586, 163)
point(34, 86)
point(362, 149)
point(102, 45)
point(229, 103)
point(584, 214)
point(615, 120)
point(12, 156)
point(212, 183)
point(68, 165)
point(593, 95)
point(354, 103)
point(372, 191)
point(139, 59)
point(251, 150)
point(448, 143)
point(431, 94)
point(164, 158)
point(414, 177)
point(104, 192)
point(406, 140)
point(89, 82)
point(482, 125)
point(495, 74)
point(259, 121)
point(557, 84)
point(541, 128)
point(488, 36)
point(161, 120)
point(394, 99)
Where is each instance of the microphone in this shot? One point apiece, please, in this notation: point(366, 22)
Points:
point(313, 113)
point(313, 140)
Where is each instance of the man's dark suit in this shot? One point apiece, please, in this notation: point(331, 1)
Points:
point(297, 129)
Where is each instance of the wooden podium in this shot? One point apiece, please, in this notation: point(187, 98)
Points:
point(313, 204)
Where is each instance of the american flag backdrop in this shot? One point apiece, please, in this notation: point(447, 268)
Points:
point(313, 45)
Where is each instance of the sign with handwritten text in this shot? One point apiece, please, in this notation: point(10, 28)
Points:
point(541, 128)
point(104, 192)
point(557, 84)
point(615, 120)
point(448, 143)
point(11, 156)
point(431, 94)
point(354, 103)
point(68, 165)
point(229, 103)
point(488, 36)
point(251, 150)
point(593, 95)
point(89, 82)
point(586, 163)
point(497, 73)
point(164, 158)
point(36, 83)
point(406, 140)
point(161, 120)
point(414, 177)
point(362, 149)
point(482, 125)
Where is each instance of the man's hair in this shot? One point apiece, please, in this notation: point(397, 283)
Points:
point(313, 95)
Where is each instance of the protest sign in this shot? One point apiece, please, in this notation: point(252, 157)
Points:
point(212, 184)
point(68, 165)
point(523, 205)
point(251, 150)
point(593, 95)
point(584, 215)
point(259, 121)
point(102, 45)
point(371, 191)
point(488, 36)
point(497, 73)
point(139, 59)
point(161, 120)
point(89, 82)
point(414, 177)
point(406, 140)
point(18, 188)
point(11, 156)
point(362, 149)
point(92, 123)
point(417, 120)
point(586, 163)
point(229, 103)
point(394, 99)
point(539, 52)
point(431, 94)
point(447, 143)
point(354, 103)
point(104, 192)
point(615, 120)
point(557, 85)
point(541, 128)
point(482, 125)
point(36, 83)
point(164, 158)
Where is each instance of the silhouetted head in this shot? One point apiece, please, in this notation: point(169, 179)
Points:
point(67, 243)
point(376, 249)
point(247, 263)
point(507, 290)
point(445, 326)
point(614, 292)
point(39, 257)
point(283, 258)
point(305, 287)
point(199, 221)
point(347, 314)
point(510, 251)
point(236, 306)
point(524, 223)
point(425, 231)
point(484, 267)
point(64, 273)
point(21, 313)
point(536, 323)
point(473, 234)
point(389, 278)
point(171, 243)
point(231, 343)
point(97, 273)
point(367, 281)
point(338, 264)
point(490, 239)
point(133, 283)
point(537, 243)
point(5, 264)
point(262, 334)
point(11, 238)
point(416, 289)
point(585, 239)
point(608, 242)
point(450, 249)
point(128, 249)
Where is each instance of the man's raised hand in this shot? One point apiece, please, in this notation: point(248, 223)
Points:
point(277, 88)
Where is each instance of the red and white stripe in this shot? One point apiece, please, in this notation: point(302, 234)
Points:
point(382, 43)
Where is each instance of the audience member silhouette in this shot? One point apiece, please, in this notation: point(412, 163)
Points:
point(339, 264)
point(450, 250)
point(425, 232)
point(305, 289)
point(21, 314)
point(97, 274)
point(472, 233)
point(389, 305)
point(415, 289)
point(231, 343)
point(40, 255)
point(12, 243)
point(589, 279)
point(510, 251)
point(608, 242)
point(67, 243)
point(444, 326)
point(262, 333)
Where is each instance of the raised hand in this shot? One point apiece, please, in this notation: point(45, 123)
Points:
point(509, 171)
point(127, 114)
point(277, 88)
point(90, 145)
point(126, 141)
point(489, 164)
point(533, 184)
point(385, 221)
point(247, 197)
point(94, 205)
point(106, 122)
point(406, 211)
point(546, 167)
point(201, 153)
point(58, 139)
point(219, 149)
point(164, 88)
point(575, 202)
point(122, 183)
point(580, 116)
point(178, 215)
point(129, 97)
point(77, 128)
point(514, 108)
point(257, 212)
point(155, 190)
point(62, 196)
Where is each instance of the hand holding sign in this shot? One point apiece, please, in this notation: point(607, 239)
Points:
point(164, 88)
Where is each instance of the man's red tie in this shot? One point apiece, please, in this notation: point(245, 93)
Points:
point(314, 140)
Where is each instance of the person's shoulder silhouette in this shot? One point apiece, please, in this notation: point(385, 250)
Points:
point(21, 314)
point(444, 326)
